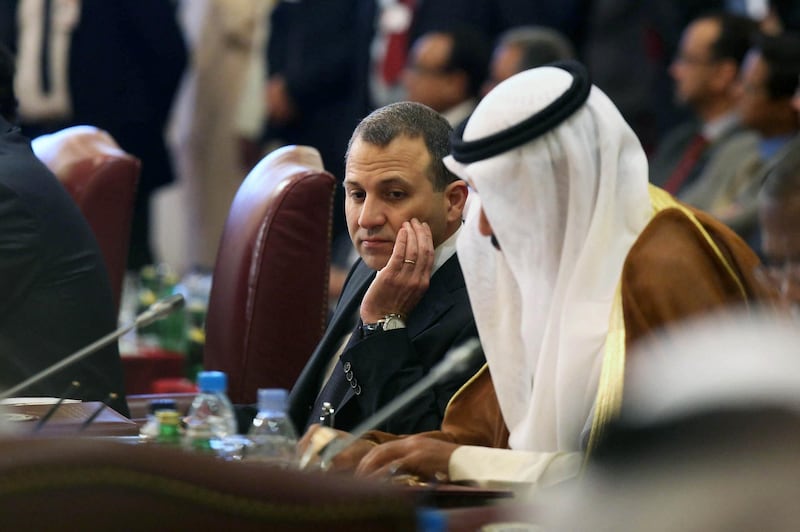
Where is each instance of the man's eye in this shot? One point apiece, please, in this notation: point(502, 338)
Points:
point(355, 194)
point(396, 194)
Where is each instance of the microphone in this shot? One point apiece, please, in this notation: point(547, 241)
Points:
point(456, 360)
point(156, 311)
point(111, 397)
point(74, 385)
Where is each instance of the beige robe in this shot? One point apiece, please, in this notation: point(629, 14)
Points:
point(219, 103)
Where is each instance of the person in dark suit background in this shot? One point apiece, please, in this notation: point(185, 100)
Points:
point(389, 328)
point(56, 293)
point(309, 95)
point(114, 65)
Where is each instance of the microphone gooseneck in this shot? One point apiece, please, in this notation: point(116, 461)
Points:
point(74, 385)
point(111, 397)
point(156, 311)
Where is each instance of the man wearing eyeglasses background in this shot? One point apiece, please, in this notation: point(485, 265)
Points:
point(696, 158)
point(446, 70)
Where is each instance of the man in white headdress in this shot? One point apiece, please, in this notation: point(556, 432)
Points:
point(587, 258)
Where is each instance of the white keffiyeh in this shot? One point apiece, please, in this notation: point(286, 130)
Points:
point(566, 208)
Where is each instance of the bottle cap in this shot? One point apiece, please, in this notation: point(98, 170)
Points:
point(212, 381)
point(272, 399)
point(431, 520)
point(168, 417)
point(162, 404)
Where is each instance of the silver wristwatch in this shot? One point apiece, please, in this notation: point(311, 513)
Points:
point(389, 322)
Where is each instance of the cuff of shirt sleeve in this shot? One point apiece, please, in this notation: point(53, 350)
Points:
point(486, 465)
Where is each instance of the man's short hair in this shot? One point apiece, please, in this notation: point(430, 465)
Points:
point(471, 53)
point(539, 45)
point(737, 34)
point(781, 54)
point(8, 101)
point(783, 181)
point(413, 120)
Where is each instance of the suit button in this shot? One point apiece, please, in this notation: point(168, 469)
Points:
point(346, 367)
point(354, 383)
point(358, 390)
point(349, 376)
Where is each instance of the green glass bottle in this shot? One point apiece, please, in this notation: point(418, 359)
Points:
point(169, 430)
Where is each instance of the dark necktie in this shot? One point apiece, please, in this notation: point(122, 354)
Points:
point(44, 60)
point(339, 382)
point(687, 165)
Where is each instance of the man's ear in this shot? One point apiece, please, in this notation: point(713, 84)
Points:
point(455, 195)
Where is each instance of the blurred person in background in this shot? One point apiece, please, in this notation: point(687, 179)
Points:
point(446, 70)
point(113, 65)
point(219, 114)
point(697, 159)
point(779, 222)
point(769, 80)
point(525, 47)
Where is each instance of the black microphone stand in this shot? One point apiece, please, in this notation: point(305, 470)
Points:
point(156, 311)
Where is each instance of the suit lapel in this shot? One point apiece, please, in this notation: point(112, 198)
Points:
point(308, 383)
point(438, 299)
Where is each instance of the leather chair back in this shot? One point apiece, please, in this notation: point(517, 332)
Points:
point(96, 484)
point(102, 179)
point(268, 304)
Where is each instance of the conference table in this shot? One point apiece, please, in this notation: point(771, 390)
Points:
point(457, 507)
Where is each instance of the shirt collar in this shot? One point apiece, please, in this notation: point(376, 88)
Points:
point(444, 251)
point(459, 112)
point(714, 129)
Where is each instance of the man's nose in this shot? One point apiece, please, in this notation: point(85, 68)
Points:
point(372, 214)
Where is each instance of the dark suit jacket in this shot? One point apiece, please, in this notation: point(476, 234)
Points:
point(56, 296)
point(387, 363)
point(126, 60)
point(312, 44)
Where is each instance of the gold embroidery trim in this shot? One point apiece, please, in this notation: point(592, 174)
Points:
point(610, 386)
point(466, 384)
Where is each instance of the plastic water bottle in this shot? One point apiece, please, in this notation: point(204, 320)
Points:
point(272, 435)
point(211, 418)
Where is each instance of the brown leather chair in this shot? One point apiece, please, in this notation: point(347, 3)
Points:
point(102, 179)
point(268, 304)
point(92, 484)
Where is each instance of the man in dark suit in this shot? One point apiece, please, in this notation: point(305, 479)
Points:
point(404, 304)
point(56, 296)
point(113, 65)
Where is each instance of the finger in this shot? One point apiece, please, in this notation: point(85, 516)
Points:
point(412, 244)
point(399, 250)
point(425, 248)
point(304, 442)
point(317, 440)
point(377, 461)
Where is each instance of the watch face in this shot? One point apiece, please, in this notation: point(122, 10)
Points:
point(392, 322)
